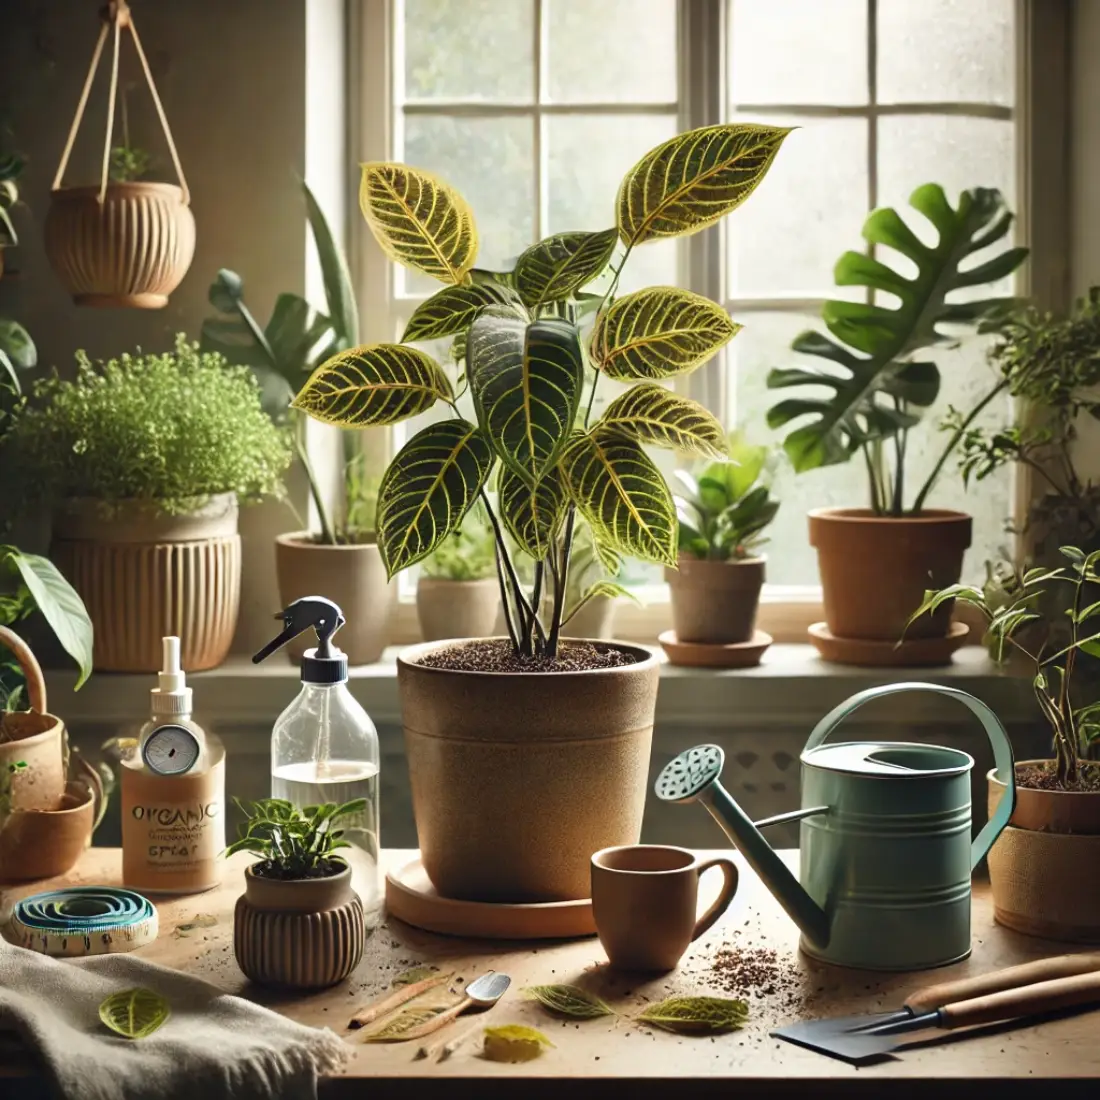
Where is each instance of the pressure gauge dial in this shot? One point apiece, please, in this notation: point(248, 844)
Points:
point(170, 750)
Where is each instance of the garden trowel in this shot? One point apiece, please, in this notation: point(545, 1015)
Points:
point(1045, 985)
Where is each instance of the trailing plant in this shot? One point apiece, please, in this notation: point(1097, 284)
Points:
point(293, 843)
point(1017, 620)
point(170, 429)
point(527, 370)
point(873, 367)
point(723, 511)
point(288, 349)
point(467, 554)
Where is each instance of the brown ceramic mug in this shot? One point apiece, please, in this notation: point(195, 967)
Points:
point(645, 900)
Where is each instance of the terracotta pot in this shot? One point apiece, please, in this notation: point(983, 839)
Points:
point(876, 569)
point(456, 609)
point(38, 844)
point(132, 250)
point(39, 741)
point(1044, 869)
point(353, 576)
point(517, 778)
point(143, 576)
point(715, 601)
point(298, 933)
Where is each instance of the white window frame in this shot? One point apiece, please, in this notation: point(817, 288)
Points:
point(1042, 38)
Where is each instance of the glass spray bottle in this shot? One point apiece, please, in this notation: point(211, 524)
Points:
point(324, 747)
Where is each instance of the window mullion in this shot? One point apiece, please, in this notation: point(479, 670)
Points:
point(538, 123)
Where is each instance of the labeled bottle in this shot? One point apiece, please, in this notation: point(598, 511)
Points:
point(173, 793)
point(324, 747)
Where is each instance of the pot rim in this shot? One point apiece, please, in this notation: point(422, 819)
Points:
point(759, 559)
point(305, 882)
point(1042, 792)
point(136, 187)
point(32, 740)
point(650, 660)
point(87, 803)
point(306, 540)
point(928, 517)
point(448, 580)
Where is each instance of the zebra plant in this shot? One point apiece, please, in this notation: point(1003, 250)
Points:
point(532, 377)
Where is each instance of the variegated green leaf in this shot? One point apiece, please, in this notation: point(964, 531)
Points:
point(428, 488)
point(694, 179)
point(622, 495)
point(373, 384)
point(455, 308)
point(557, 266)
point(526, 381)
point(418, 220)
point(651, 414)
point(533, 514)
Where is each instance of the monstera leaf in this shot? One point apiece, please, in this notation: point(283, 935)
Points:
point(533, 514)
point(419, 221)
point(428, 488)
point(454, 308)
point(693, 180)
point(874, 379)
point(526, 381)
point(651, 414)
point(556, 267)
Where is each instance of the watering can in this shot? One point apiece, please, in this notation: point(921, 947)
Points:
point(885, 854)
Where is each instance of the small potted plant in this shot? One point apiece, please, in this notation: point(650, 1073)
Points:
point(341, 560)
point(457, 594)
point(299, 924)
point(876, 562)
point(715, 589)
point(144, 458)
point(1045, 867)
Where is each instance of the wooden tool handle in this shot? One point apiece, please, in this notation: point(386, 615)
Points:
point(1081, 989)
point(436, 1022)
point(442, 1049)
point(396, 999)
point(1042, 970)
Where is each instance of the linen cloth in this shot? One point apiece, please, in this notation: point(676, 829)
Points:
point(213, 1045)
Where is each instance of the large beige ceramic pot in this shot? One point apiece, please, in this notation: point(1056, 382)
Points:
point(517, 778)
point(299, 933)
point(1045, 867)
point(715, 601)
point(133, 249)
point(33, 760)
point(144, 575)
point(456, 609)
point(353, 577)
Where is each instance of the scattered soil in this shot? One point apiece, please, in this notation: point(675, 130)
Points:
point(758, 972)
point(497, 655)
point(1045, 778)
point(267, 869)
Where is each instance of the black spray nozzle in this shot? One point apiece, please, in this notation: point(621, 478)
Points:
point(310, 611)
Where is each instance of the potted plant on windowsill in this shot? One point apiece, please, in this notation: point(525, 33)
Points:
point(715, 589)
point(456, 593)
point(1045, 868)
point(866, 396)
point(299, 923)
point(144, 459)
point(563, 727)
point(341, 561)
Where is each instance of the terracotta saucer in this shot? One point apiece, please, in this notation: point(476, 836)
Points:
point(713, 654)
point(864, 651)
point(411, 897)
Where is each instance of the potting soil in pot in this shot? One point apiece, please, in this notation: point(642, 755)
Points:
point(497, 655)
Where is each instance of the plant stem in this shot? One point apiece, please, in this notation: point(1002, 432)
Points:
point(328, 535)
point(562, 573)
point(523, 611)
point(504, 600)
point(872, 482)
point(608, 296)
point(901, 438)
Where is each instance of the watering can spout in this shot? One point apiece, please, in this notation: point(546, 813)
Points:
point(693, 776)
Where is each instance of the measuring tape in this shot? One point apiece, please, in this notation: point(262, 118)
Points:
point(83, 920)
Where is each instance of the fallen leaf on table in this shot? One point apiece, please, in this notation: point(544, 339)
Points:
point(393, 1030)
point(514, 1043)
point(696, 1015)
point(134, 1013)
point(569, 1000)
point(414, 975)
point(199, 920)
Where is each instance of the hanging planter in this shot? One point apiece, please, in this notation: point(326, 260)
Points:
point(119, 244)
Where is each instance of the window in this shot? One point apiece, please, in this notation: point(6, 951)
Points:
point(534, 109)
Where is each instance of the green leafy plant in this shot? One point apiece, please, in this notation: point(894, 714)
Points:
point(467, 554)
point(170, 429)
point(722, 511)
point(527, 370)
point(128, 164)
point(294, 843)
point(288, 349)
point(873, 381)
point(11, 168)
point(1018, 622)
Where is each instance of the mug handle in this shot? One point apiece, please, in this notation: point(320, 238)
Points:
point(721, 904)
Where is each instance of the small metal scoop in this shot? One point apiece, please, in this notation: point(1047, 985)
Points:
point(482, 993)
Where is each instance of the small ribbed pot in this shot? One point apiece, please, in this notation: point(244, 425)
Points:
point(298, 933)
point(132, 250)
point(715, 602)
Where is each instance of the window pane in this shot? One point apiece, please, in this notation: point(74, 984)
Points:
point(469, 49)
point(611, 51)
point(937, 50)
point(798, 51)
point(490, 161)
point(587, 157)
point(807, 211)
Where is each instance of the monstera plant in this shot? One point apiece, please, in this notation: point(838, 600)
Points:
point(532, 374)
point(871, 383)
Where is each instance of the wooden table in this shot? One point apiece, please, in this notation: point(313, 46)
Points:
point(626, 1059)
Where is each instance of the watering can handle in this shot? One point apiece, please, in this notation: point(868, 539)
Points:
point(1002, 749)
